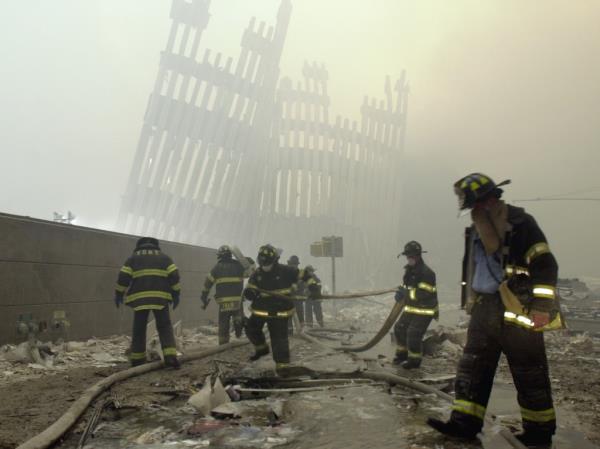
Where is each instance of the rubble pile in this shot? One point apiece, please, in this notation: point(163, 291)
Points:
point(33, 359)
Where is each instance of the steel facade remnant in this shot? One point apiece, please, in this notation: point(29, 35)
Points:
point(231, 152)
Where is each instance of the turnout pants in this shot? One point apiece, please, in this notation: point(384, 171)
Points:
point(165, 334)
point(225, 318)
point(409, 331)
point(299, 306)
point(487, 337)
point(278, 331)
point(313, 306)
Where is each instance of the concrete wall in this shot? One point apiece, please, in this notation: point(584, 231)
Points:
point(48, 267)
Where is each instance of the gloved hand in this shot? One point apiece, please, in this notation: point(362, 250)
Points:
point(250, 294)
point(436, 315)
point(175, 300)
point(205, 300)
point(540, 319)
point(400, 294)
point(118, 300)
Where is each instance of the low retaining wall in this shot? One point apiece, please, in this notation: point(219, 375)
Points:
point(47, 269)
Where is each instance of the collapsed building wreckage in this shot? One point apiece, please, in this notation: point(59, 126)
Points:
point(233, 152)
point(580, 305)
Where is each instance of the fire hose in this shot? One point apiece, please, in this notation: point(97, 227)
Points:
point(389, 322)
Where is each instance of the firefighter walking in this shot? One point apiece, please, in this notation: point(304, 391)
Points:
point(509, 279)
point(274, 311)
point(149, 281)
point(228, 278)
point(419, 295)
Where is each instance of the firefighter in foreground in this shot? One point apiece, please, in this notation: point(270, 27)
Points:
point(509, 279)
point(275, 311)
point(149, 281)
point(228, 277)
point(419, 295)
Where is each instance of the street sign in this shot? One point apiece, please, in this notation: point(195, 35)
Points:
point(328, 247)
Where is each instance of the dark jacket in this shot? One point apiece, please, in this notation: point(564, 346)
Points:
point(149, 279)
point(419, 280)
point(527, 261)
point(279, 280)
point(228, 278)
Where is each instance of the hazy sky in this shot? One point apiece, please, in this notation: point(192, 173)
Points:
point(507, 87)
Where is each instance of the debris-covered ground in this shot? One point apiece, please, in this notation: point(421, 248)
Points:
point(179, 409)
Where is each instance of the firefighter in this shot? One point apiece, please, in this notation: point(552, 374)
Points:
point(228, 277)
point(313, 305)
point(298, 291)
point(419, 295)
point(149, 281)
point(275, 311)
point(509, 279)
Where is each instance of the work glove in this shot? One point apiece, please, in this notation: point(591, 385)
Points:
point(175, 300)
point(250, 294)
point(436, 315)
point(118, 300)
point(400, 294)
point(205, 300)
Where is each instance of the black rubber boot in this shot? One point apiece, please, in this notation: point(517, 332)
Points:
point(258, 354)
point(535, 439)
point(452, 429)
point(400, 357)
point(412, 363)
point(172, 361)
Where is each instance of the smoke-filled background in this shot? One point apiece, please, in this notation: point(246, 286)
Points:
point(510, 88)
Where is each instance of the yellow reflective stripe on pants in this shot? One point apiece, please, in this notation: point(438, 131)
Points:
point(401, 348)
point(469, 408)
point(149, 272)
point(169, 351)
point(415, 355)
point(427, 287)
point(535, 251)
point(281, 365)
point(419, 311)
point(227, 280)
point(148, 294)
point(137, 355)
point(544, 291)
point(539, 415)
point(283, 314)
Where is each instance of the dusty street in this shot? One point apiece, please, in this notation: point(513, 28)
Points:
point(153, 408)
